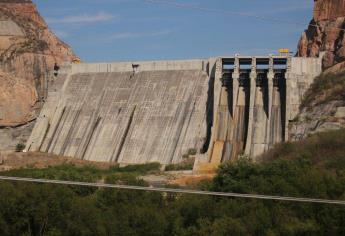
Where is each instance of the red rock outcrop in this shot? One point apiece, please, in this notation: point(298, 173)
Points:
point(28, 51)
point(325, 33)
point(328, 9)
point(17, 99)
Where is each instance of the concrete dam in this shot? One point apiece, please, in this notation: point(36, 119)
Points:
point(158, 111)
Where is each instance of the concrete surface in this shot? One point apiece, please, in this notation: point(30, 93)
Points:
point(149, 116)
point(156, 111)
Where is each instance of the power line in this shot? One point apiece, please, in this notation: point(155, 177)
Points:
point(228, 12)
point(171, 190)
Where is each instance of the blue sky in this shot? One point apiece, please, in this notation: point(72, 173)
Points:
point(117, 30)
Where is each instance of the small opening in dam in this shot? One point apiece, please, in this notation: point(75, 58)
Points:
point(262, 84)
point(262, 63)
point(244, 80)
point(245, 66)
point(280, 82)
point(280, 63)
point(228, 67)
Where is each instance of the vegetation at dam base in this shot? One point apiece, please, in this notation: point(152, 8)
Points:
point(311, 168)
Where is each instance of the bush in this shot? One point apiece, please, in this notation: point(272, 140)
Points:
point(192, 152)
point(311, 168)
point(140, 168)
point(20, 147)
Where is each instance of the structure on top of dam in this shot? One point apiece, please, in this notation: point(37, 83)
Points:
point(157, 111)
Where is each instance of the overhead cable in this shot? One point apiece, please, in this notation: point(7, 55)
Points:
point(171, 190)
point(228, 12)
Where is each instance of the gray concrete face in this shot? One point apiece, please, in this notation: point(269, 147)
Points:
point(126, 117)
point(156, 111)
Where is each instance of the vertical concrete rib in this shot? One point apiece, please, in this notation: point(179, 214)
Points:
point(216, 102)
point(270, 77)
point(253, 76)
point(60, 110)
point(125, 134)
point(287, 98)
point(231, 144)
point(235, 84)
point(89, 136)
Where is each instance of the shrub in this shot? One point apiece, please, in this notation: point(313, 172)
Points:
point(140, 168)
point(192, 152)
point(20, 147)
point(314, 168)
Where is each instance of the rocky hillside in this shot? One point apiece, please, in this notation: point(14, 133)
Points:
point(325, 34)
point(323, 107)
point(28, 51)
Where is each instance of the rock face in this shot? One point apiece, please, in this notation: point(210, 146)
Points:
point(322, 108)
point(323, 117)
point(17, 99)
point(325, 34)
point(28, 51)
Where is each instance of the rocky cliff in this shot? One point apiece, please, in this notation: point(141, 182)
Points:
point(326, 34)
point(28, 51)
point(323, 107)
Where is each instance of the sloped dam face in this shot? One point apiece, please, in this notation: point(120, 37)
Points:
point(158, 111)
point(126, 117)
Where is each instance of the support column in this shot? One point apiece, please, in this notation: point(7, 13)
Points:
point(270, 77)
point(235, 84)
point(288, 98)
point(216, 103)
point(253, 76)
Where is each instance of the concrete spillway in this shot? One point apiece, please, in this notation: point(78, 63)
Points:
point(254, 100)
point(128, 117)
point(158, 111)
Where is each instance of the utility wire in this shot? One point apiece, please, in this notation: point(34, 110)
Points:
point(227, 12)
point(171, 190)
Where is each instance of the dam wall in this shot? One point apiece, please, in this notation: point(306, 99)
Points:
point(132, 112)
point(158, 111)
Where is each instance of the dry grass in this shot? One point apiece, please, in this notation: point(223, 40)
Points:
point(326, 150)
point(44, 160)
point(326, 88)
